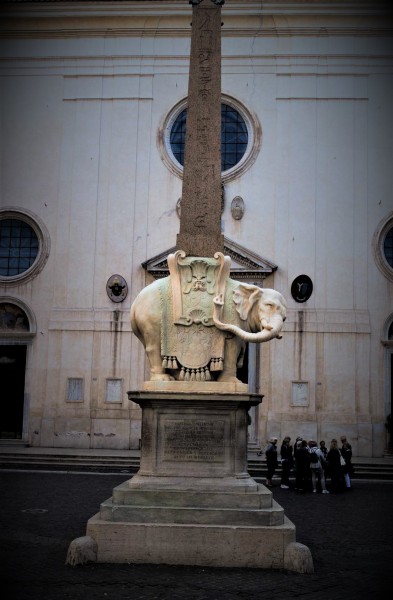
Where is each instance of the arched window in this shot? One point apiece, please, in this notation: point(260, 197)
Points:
point(13, 318)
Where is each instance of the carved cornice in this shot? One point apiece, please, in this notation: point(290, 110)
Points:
point(52, 19)
point(246, 265)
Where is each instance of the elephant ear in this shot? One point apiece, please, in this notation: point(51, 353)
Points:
point(245, 296)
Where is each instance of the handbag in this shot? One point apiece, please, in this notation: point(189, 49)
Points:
point(342, 460)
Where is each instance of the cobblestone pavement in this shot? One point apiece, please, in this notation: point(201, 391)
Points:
point(350, 536)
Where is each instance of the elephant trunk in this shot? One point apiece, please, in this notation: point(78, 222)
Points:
point(269, 330)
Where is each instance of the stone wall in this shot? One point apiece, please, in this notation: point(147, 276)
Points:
point(86, 95)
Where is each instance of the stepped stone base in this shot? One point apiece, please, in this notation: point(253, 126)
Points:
point(192, 501)
point(185, 544)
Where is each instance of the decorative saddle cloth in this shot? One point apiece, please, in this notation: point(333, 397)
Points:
point(189, 340)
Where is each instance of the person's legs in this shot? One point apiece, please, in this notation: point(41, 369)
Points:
point(269, 475)
point(323, 481)
point(314, 480)
point(285, 476)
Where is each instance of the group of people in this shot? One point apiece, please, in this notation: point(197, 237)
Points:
point(311, 464)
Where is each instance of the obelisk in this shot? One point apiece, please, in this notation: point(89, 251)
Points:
point(193, 501)
point(200, 222)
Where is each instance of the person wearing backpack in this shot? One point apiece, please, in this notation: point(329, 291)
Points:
point(316, 466)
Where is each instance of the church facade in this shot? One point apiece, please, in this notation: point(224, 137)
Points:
point(93, 107)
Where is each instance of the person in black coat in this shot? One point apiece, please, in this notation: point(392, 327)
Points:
point(302, 467)
point(286, 462)
point(271, 460)
point(346, 453)
point(335, 469)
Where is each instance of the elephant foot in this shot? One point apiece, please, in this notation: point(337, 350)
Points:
point(225, 377)
point(161, 377)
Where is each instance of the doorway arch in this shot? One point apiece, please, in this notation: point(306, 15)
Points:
point(387, 341)
point(17, 330)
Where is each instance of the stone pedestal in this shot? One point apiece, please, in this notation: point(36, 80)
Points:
point(192, 502)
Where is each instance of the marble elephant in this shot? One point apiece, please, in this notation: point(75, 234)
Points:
point(256, 315)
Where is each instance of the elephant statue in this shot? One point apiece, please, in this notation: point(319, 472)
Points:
point(243, 313)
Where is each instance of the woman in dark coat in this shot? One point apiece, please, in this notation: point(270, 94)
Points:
point(334, 467)
point(271, 460)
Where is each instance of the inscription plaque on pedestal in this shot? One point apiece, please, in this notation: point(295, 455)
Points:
point(187, 440)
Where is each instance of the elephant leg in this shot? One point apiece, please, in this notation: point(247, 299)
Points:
point(232, 351)
point(157, 371)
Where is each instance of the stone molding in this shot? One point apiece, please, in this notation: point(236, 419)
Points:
point(168, 19)
point(315, 320)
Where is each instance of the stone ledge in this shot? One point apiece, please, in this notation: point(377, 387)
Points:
point(192, 515)
point(208, 387)
point(257, 498)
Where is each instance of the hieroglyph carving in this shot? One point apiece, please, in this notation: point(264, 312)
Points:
point(200, 223)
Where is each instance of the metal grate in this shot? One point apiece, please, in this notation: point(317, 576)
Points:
point(18, 247)
point(388, 247)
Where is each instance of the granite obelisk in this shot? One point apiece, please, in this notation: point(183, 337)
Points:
point(200, 222)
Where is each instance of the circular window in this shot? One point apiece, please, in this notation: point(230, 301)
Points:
point(234, 137)
point(18, 247)
point(24, 245)
point(388, 247)
point(240, 138)
point(383, 246)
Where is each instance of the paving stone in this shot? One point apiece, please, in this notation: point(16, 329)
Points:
point(350, 536)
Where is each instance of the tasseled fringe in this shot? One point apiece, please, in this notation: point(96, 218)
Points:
point(201, 374)
point(170, 362)
point(187, 374)
point(216, 364)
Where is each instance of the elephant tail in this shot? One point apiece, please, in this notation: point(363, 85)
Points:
point(134, 325)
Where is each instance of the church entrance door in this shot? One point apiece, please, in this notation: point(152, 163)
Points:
point(12, 377)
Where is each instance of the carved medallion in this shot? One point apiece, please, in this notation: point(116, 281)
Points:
point(237, 208)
